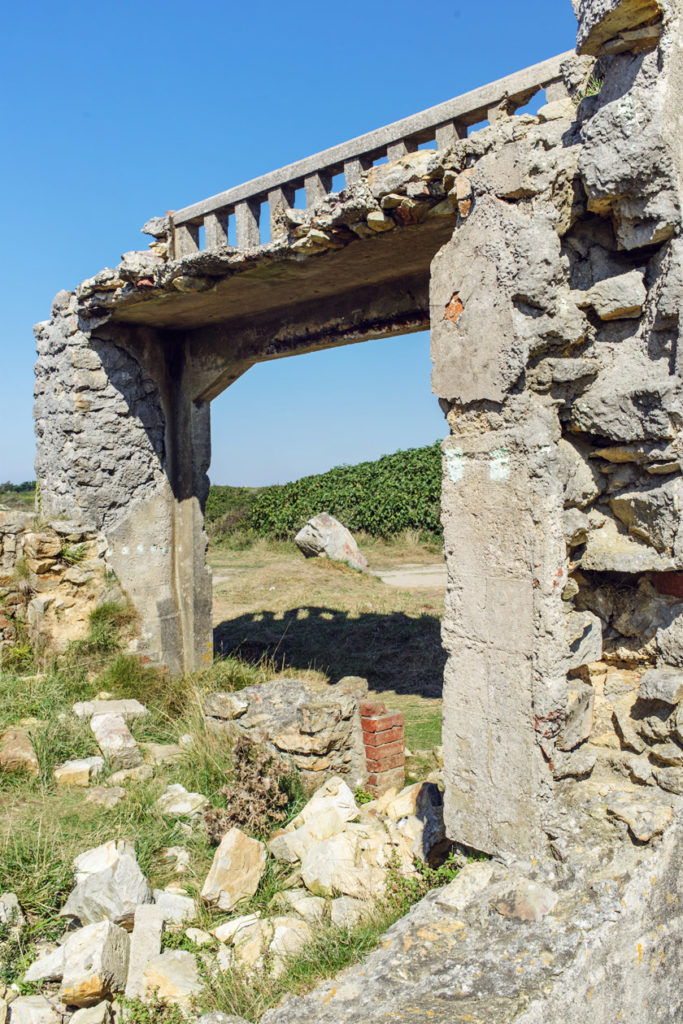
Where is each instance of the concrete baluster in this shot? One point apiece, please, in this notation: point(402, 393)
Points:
point(556, 90)
point(216, 229)
point(185, 239)
point(279, 200)
point(317, 187)
point(398, 149)
point(247, 215)
point(353, 169)
point(447, 134)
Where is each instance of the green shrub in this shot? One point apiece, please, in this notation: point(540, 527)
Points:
point(397, 492)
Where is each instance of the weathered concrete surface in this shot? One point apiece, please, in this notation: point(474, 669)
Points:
point(596, 938)
point(554, 327)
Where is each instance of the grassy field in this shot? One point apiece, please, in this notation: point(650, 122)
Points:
point(18, 496)
point(323, 620)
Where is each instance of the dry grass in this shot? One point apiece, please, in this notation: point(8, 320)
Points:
point(321, 621)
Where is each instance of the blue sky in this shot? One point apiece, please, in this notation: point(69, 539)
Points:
point(114, 113)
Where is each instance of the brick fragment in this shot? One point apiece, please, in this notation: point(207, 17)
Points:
point(385, 750)
point(372, 708)
point(385, 764)
point(670, 583)
point(382, 722)
point(376, 739)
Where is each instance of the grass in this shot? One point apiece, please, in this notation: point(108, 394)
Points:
point(278, 613)
point(18, 496)
point(314, 614)
point(250, 994)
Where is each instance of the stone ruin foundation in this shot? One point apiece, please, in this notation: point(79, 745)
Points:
point(546, 254)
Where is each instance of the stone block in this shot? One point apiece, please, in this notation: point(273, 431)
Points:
point(579, 721)
point(116, 741)
point(109, 886)
point(33, 1010)
point(145, 944)
point(237, 868)
point(617, 298)
point(664, 684)
point(176, 802)
point(17, 753)
point(601, 21)
point(130, 710)
point(95, 964)
point(79, 772)
point(172, 977)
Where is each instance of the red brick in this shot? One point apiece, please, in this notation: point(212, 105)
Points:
point(386, 750)
point(376, 739)
point(372, 708)
point(379, 724)
point(385, 764)
point(380, 782)
point(670, 583)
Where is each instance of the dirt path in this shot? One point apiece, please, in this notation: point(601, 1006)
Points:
point(413, 577)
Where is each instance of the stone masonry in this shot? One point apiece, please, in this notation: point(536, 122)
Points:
point(52, 575)
point(545, 253)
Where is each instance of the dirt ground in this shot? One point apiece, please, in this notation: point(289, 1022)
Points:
point(319, 619)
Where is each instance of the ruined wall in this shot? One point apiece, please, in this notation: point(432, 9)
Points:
point(112, 426)
point(555, 253)
point(51, 577)
point(555, 325)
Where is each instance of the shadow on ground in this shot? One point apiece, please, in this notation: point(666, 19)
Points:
point(393, 652)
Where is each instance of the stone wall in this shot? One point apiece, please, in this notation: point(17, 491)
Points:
point(51, 577)
point(319, 733)
point(555, 323)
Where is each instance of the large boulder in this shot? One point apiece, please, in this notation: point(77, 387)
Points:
point(325, 535)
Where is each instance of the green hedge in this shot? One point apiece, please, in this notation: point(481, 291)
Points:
point(231, 504)
point(397, 492)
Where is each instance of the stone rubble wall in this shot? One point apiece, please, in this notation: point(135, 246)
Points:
point(52, 575)
point(319, 733)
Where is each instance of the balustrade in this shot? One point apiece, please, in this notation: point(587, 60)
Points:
point(442, 125)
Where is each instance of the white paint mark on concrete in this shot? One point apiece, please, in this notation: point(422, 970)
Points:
point(141, 549)
point(499, 465)
point(455, 463)
point(124, 549)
